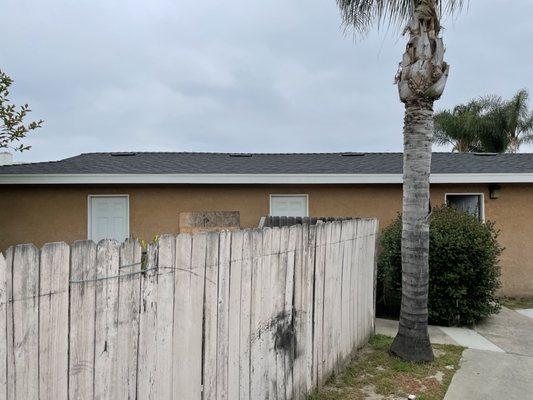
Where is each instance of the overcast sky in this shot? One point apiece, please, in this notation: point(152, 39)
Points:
point(235, 75)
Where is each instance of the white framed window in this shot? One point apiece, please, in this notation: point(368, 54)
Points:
point(471, 203)
point(289, 205)
point(108, 217)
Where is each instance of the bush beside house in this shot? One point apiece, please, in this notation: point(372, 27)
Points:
point(464, 268)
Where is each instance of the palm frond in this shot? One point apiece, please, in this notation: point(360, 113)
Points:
point(363, 15)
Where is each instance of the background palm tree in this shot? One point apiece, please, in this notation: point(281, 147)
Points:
point(421, 79)
point(489, 124)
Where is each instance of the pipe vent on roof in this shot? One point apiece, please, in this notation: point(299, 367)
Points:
point(353, 154)
point(240, 155)
point(6, 158)
point(124, 154)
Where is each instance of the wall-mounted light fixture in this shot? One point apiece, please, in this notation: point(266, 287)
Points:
point(494, 191)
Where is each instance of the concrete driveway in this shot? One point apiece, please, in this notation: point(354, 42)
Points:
point(498, 363)
point(491, 375)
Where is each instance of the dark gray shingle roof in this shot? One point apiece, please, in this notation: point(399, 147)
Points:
point(291, 163)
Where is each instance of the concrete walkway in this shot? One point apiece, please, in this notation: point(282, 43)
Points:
point(498, 363)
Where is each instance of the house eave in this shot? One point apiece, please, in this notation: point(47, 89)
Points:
point(219, 179)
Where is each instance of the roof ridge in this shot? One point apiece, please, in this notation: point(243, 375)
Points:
point(241, 152)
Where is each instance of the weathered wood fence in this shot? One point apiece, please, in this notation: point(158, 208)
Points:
point(249, 314)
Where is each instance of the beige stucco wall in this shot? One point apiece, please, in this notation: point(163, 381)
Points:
point(41, 214)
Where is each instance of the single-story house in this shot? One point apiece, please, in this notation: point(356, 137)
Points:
point(140, 195)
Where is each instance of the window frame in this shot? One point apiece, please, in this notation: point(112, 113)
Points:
point(480, 194)
point(289, 195)
point(89, 211)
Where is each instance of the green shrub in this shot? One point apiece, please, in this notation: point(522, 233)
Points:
point(463, 268)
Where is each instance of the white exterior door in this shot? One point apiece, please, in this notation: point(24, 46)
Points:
point(288, 205)
point(108, 218)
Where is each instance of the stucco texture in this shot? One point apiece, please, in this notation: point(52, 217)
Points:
point(41, 214)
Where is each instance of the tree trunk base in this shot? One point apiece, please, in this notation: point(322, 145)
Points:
point(412, 349)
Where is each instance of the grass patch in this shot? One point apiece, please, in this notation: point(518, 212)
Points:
point(517, 303)
point(374, 374)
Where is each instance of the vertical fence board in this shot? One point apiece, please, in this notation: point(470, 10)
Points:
point(318, 341)
point(338, 293)
point(53, 321)
point(188, 315)
point(210, 316)
point(26, 321)
point(346, 246)
point(375, 244)
point(288, 339)
point(3, 327)
point(165, 315)
point(147, 358)
point(266, 314)
point(258, 385)
point(359, 285)
point(353, 285)
point(82, 313)
point(223, 314)
point(128, 319)
point(106, 321)
point(275, 318)
point(277, 315)
point(10, 356)
point(328, 355)
point(368, 272)
point(245, 321)
point(303, 286)
point(298, 378)
point(234, 322)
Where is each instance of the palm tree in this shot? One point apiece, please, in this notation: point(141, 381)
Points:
point(459, 127)
point(421, 79)
point(488, 124)
point(519, 126)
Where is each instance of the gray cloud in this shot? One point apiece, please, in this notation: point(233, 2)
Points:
point(235, 75)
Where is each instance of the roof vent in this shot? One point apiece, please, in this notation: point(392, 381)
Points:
point(124, 154)
point(485, 154)
point(240, 154)
point(6, 158)
point(353, 154)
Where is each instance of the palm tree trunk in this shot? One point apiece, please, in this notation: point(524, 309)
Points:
point(412, 341)
point(421, 80)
